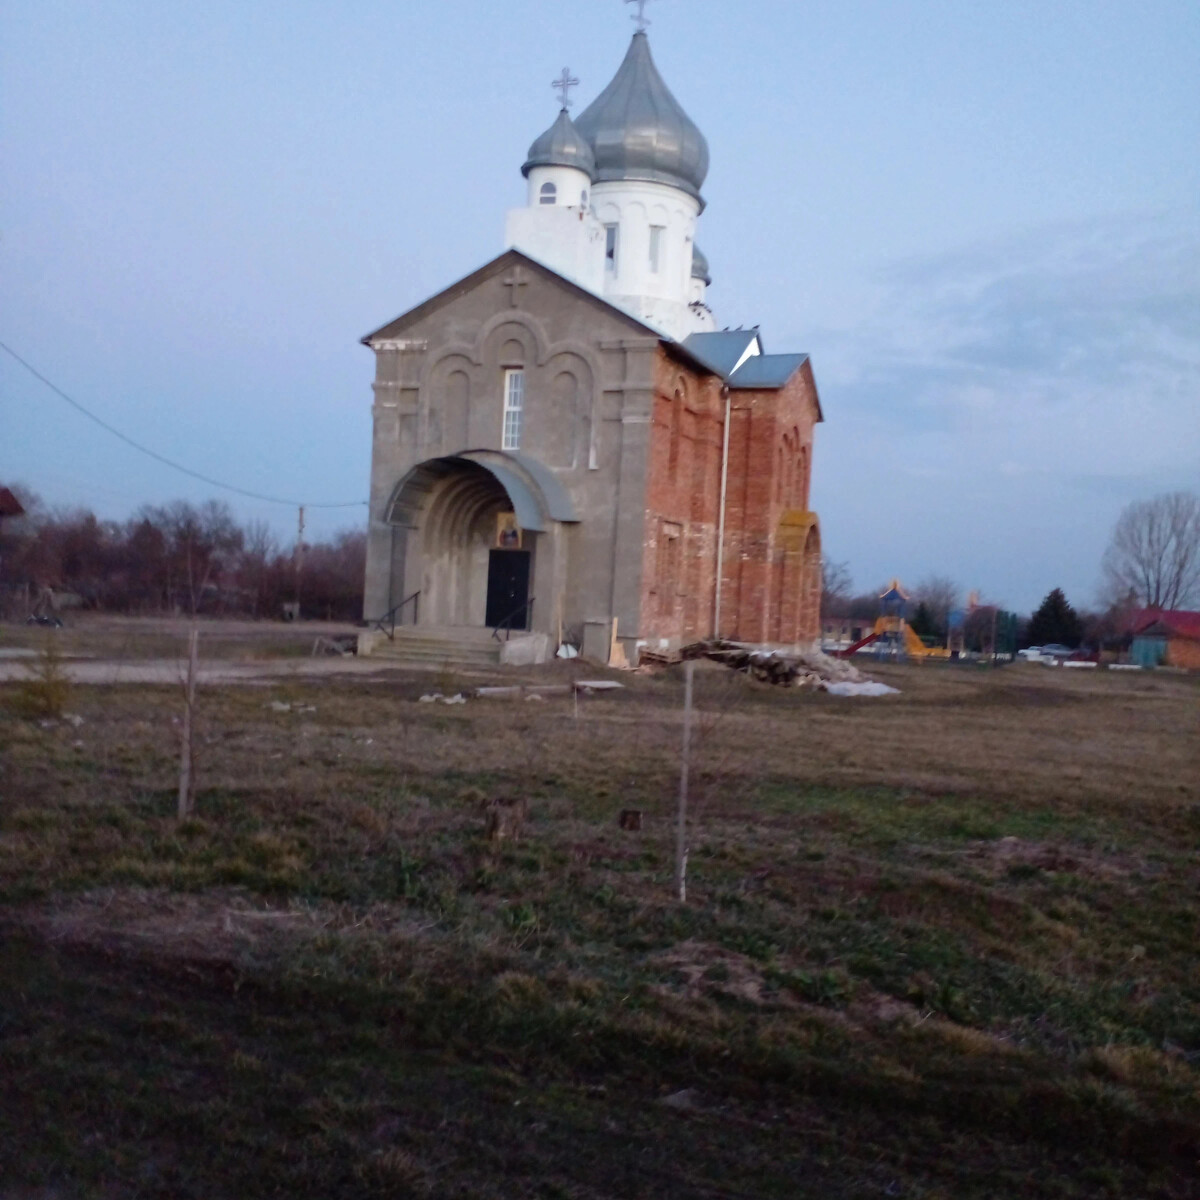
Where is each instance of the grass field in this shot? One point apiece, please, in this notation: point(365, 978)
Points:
point(937, 945)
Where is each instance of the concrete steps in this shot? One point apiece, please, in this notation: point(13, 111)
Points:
point(433, 647)
point(455, 646)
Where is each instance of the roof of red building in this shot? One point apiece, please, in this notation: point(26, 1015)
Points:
point(1172, 622)
point(10, 506)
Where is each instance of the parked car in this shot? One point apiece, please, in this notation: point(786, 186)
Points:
point(1056, 650)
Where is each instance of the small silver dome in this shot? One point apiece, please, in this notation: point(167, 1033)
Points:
point(561, 146)
point(700, 265)
point(638, 130)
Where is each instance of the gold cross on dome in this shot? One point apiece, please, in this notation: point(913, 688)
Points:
point(564, 83)
point(641, 19)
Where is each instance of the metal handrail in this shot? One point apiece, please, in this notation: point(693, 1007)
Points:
point(387, 623)
point(507, 623)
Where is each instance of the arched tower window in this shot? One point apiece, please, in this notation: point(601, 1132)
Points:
point(549, 194)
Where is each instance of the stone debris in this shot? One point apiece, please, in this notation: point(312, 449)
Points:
point(784, 666)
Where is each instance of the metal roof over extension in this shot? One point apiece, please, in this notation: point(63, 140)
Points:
point(767, 370)
point(722, 350)
point(536, 495)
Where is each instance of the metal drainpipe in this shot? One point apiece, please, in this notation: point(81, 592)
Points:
point(721, 514)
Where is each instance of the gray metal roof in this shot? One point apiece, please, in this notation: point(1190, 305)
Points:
point(536, 495)
point(767, 370)
point(720, 351)
point(638, 130)
point(561, 146)
point(700, 265)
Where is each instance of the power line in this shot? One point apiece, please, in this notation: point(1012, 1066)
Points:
point(91, 416)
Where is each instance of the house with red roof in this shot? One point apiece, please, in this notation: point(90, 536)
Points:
point(1164, 637)
point(10, 506)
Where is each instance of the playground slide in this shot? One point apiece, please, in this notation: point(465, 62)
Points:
point(917, 648)
point(851, 651)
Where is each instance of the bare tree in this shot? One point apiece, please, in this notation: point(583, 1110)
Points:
point(941, 596)
point(260, 547)
point(835, 587)
point(1154, 552)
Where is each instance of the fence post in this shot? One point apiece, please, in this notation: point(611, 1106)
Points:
point(681, 848)
point(186, 782)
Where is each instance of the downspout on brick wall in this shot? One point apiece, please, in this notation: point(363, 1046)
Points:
point(721, 514)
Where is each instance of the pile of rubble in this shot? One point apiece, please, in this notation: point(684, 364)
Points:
point(790, 666)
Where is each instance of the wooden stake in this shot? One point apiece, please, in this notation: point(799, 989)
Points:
point(681, 848)
point(186, 782)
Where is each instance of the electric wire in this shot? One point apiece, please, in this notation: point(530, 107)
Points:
point(217, 483)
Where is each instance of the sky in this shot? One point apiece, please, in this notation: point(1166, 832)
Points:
point(981, 220)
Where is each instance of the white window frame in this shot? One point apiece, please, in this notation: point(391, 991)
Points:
point(514, 408)
point(656, 248)
point(548, 193)
point(612, 247)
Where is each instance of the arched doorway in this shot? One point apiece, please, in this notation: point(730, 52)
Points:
point(476, 567)
point(470, 529)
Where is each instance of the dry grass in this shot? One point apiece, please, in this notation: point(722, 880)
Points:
point(937, 944)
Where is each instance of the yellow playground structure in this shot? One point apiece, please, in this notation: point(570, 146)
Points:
point(893, 632)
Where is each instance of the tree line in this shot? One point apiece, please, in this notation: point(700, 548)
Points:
point(1152, 562)
point(173, 558)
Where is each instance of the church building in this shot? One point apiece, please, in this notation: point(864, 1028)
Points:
point(565, 444)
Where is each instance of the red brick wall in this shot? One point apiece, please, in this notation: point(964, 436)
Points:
point(772, 559)
point(682, 495)
point(1183, 652)
point(771, 584)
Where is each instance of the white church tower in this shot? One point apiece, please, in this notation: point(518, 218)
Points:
point(614, 199)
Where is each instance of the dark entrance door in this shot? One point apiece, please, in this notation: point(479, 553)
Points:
point(508, 587)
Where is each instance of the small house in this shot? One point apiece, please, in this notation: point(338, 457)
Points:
point(1165, 638)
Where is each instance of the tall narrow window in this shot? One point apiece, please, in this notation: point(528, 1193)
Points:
point(656, 237)
point(549, 194)
point(514, 404)
point(610, 249)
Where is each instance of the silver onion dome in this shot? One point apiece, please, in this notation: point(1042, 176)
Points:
point(638, 130)
point(561, 146)
point(700, 265)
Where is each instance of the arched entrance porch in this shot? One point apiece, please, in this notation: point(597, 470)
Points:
point(478, 534)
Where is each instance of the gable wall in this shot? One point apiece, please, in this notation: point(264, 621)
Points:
point(588, 388)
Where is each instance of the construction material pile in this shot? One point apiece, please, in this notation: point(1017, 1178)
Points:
point(784, 666)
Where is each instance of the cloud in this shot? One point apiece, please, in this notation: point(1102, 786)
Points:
point(1039, 381)
point(1073, 348)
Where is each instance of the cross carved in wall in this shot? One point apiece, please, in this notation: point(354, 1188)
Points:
point(641, 19)
point(515, 280)
point(564, 83)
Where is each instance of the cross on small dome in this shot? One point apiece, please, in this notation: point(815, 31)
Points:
point(564, 83)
